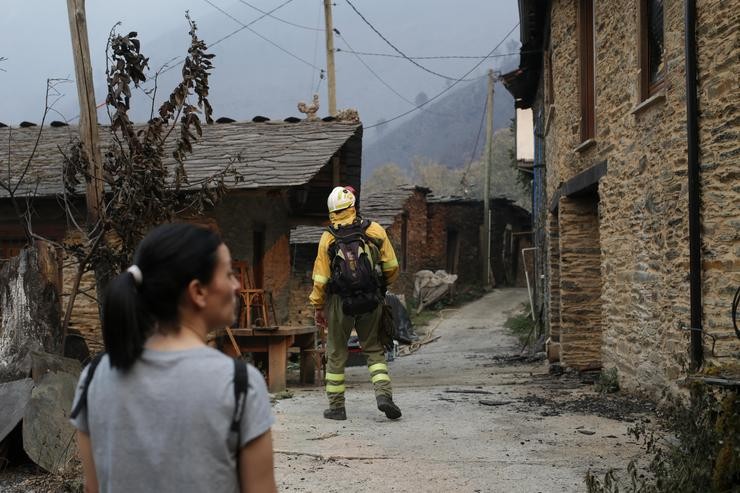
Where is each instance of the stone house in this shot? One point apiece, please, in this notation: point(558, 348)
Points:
point(427, 232)
point(635, 177)
point(286, 170)
point(458, 249)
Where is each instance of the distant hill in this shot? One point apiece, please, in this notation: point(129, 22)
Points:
point(445, 133)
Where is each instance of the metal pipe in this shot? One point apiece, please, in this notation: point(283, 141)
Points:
point(526, 276)
point(692, 134)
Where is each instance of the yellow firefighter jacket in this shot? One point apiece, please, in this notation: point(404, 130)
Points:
point(322, 267)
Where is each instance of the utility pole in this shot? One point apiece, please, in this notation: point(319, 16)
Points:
point(88, 113)
point(488, 164)
point(330, 75)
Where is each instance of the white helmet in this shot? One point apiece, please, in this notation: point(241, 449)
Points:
point(340, 198)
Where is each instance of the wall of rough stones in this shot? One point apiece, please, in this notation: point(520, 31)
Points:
point(465, 218)
point(718, 40)
point(415, 213)
point(553, 263)
point(580, 283)
point(238, 216)
point(643, 199)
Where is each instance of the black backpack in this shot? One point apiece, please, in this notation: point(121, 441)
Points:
point(355, 268)
point(241, 385)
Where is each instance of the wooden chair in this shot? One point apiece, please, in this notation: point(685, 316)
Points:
point(256, 303)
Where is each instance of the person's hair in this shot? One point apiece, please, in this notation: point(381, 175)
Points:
point(169, 258)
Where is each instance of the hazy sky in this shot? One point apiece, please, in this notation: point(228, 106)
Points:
point(252, 76)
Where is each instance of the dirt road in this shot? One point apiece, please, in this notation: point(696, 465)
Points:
point(473, 420)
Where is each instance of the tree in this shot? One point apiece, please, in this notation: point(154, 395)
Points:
point(421, 99)
point(441, 179)
point(385, 177)
point(142, 191)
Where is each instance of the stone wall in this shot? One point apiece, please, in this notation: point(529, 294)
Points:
point(643, 199)
point(238, 216)
point(464, 218)
point(300, 311)
point(718, 41)
point(580, 283)
point(553, 292)
point(415, 257)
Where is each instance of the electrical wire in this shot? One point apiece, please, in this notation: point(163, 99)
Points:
point(382, 81)
point(395, 48)
point(475, 146)
point(316, 51)
point(446, 89)
point(309, 28)
point(211, 45)
point(449, 57)
point(286, 2)
point(246, 26)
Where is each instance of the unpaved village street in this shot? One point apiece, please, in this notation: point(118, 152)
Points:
point(521, 430)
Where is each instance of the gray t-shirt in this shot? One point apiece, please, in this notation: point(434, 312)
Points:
point(164, 425)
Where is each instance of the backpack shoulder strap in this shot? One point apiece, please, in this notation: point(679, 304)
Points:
point(241, 386)
point(88, 378)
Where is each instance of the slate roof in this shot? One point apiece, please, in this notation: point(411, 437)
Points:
point(382, 208)
point(272, 154)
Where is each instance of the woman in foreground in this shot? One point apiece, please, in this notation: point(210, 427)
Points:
point(162, 411)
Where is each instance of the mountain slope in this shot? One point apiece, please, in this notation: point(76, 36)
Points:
point(445, 133)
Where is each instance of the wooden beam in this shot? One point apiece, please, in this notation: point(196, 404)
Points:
point(88, 111)
point(585, 182)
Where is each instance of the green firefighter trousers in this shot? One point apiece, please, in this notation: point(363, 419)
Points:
point(367, 326)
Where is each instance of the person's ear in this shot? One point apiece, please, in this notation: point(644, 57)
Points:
point(197, 293)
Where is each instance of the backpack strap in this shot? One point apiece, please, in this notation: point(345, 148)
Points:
point(241, 386)
point(88, 378)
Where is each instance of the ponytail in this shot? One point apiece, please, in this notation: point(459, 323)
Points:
point(125, 323)
point(149, 293)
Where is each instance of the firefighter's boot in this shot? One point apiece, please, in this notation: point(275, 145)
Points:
point(386, 404)
point(338, 413)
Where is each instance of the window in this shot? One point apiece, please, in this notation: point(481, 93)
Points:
point(652, 68)
point(586, 72)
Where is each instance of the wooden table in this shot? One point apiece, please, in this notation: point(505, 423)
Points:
point(275, 343)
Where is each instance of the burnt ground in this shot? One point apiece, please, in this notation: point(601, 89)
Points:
point(477, 418)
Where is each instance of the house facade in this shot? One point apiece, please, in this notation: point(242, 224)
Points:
point(636, 190)
point(285, 169)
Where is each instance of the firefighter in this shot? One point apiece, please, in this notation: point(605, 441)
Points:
point(345, 297)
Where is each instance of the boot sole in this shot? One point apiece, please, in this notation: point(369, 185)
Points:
point(336, 418)
point(391, 412)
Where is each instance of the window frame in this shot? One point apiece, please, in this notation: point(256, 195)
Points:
point(586, 69)
point(648, 88)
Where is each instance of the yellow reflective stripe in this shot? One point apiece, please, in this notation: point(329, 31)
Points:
point(380, 377)
point(318, 278)
point(390, 264)
point(377, 367)
point(337, 377)
point(335, 389)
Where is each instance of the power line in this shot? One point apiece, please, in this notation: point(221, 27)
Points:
point(396, 49)
point(450, 57)
point(286, 2)
point(475, 147)
point(316, 50)
point(246, 26)
point(451, 85)
point(211, 45)
point(378, 76)
point(309, 28)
